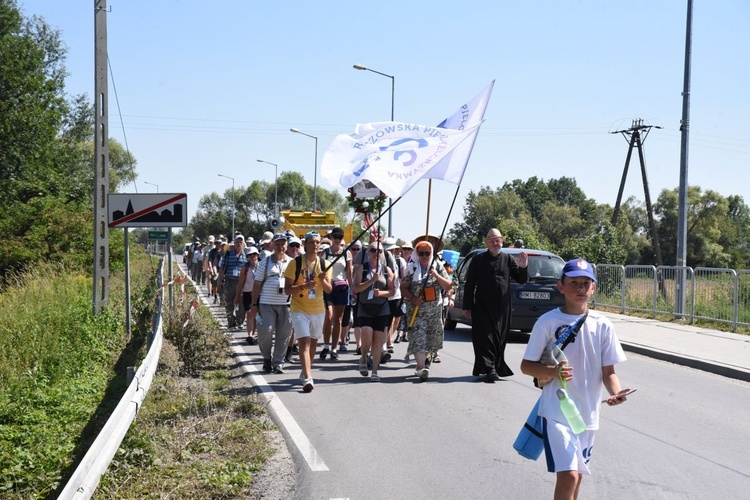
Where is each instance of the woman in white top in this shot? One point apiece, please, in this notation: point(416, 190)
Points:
point(245, 288)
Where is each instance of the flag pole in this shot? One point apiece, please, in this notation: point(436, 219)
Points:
point(390, 206)
point(429, 196)
point(434, 254)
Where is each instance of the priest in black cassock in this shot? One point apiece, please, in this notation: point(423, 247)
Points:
point(487, 304)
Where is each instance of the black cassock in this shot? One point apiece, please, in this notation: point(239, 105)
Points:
point(486, 295)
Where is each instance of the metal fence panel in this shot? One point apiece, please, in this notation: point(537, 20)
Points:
point(667, 283)
point(640, 289)
point(743, 297)
point(610, 284)
point(715, 295)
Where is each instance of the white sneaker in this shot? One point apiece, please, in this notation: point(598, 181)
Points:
point(309, 385)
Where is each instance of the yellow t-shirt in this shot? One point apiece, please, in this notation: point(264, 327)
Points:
point(302, 300)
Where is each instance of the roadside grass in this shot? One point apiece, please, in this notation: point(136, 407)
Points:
point(202, 432)
point(62, 369)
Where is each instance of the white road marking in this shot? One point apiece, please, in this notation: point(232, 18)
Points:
point(303, 444)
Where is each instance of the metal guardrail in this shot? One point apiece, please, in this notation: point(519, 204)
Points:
point(87, 475)
point(715, 294)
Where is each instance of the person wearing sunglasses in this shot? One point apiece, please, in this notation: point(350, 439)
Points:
point(422, 287)
point(373, 285)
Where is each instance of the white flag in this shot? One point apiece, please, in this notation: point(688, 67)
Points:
point(391, 155)
point(452, 167)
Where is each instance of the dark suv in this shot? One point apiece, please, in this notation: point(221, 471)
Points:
point(528, 301)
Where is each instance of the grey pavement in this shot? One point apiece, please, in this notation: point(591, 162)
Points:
point(715, 351)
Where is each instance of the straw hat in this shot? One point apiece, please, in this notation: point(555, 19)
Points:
point(437, 243)
point(492, 234)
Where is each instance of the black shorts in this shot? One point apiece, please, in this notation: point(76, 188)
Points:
point(346, 318)
point(377, 323)
point(247, 300)
point(396, 309)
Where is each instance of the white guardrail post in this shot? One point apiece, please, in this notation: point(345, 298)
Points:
point(87, 475)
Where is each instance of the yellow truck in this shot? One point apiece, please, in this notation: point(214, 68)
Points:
point(302, 223)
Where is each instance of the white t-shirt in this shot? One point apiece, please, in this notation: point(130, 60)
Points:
point(595, 345)
point(273, 274)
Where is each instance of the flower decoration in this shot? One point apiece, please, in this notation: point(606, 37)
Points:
point(366, 205)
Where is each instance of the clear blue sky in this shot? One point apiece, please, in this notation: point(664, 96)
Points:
point(209, 87)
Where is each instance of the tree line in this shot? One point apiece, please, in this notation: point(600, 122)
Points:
point(556, 215)
point(46, 150)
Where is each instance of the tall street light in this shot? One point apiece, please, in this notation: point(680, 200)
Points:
point(233, 208)
point(315, 177)
point(393, 95)
point(275, 184)
point(152, 184)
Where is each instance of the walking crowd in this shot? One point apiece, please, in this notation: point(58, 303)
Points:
point(293, 294)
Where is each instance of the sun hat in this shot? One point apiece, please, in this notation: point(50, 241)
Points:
point(579, 268)
point(389, 242)
point(239, 237)
point(251, 250)
point(492, 234)
point(267, 236)
point(437, 243)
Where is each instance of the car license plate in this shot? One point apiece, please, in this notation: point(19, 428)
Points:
point(535, 295)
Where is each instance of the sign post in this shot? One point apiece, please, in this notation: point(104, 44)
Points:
point(166, 210)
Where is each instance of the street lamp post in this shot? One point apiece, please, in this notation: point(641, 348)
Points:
point(233, 207)
point(315, 177)
point(393, 97)
point(152, 184)
point(275, 185)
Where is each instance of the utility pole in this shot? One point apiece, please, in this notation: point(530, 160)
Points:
point(101, 158)
point(636, 135)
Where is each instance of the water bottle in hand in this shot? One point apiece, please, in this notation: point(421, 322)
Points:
point(570, 410)
point(258, 320)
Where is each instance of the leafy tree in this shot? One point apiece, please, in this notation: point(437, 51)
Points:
point(255, 206)
point(32, 103)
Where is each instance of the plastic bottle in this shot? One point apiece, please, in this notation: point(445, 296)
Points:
point(570, 410)
point(258, 320)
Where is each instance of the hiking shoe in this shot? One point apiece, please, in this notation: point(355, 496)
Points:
point(397, 340)
point(334, 355)
point(267, 365)
point(424, 374)
point(324, 353)
point(390, 349)
point(309, 385)
point(251, 340)
point(278, 369)
point(385, 357)
point(343, 348)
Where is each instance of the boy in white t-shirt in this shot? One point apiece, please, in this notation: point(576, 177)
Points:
point(591, 356)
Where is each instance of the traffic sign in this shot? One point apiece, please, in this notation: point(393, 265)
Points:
point(158, 235)
point(147, 210)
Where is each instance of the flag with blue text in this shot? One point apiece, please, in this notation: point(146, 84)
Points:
point(452, 167)
point(391, 155)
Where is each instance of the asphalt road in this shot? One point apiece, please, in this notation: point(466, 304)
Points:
point(684, 434)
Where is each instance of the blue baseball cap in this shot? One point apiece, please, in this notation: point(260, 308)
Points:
point(579, 268)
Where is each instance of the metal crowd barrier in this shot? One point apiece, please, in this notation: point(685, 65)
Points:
point(87, 475)
point(714, 294)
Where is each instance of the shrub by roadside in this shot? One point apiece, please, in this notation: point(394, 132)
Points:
point(202, 431)
point(61, 370)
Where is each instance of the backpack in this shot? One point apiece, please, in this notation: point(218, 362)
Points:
point(298, 266)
